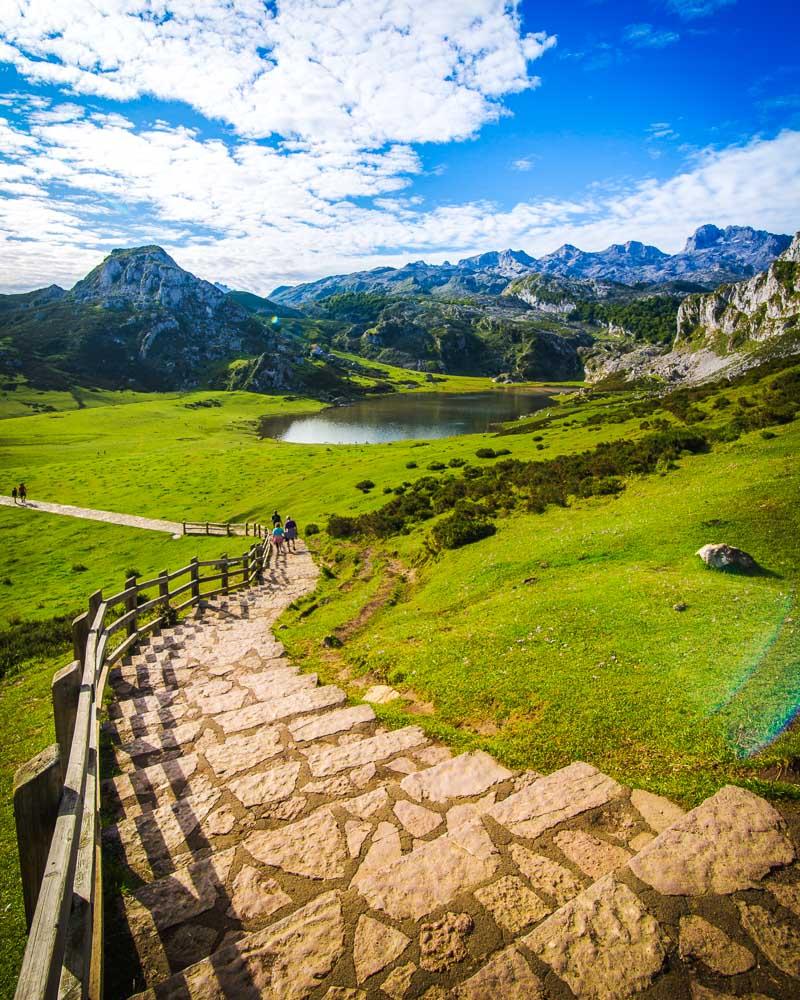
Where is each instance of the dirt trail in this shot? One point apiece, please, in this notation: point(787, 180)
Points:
point(174, 528)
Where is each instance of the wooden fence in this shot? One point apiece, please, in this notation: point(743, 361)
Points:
point(230, 528)
point(57, 794)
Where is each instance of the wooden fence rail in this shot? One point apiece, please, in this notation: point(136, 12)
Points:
point(57, 794)
point(229, 528)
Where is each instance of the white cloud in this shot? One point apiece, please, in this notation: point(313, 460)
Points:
point(646, 36)
point(367, 72)
point(256, 216)
point(691, 9)
point(524, 163)
point(55, 114)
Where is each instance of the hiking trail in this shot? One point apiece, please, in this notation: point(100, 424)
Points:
point(276, 842)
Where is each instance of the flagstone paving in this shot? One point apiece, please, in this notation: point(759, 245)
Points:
point(270, 840)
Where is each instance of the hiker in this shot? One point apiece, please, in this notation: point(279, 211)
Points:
point(290, 528)
point(276, 518)
point(14, 495)
point(278, 538)
point(23, 493)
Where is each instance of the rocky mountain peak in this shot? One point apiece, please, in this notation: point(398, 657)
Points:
point(792, 252)
point(146, 277)
point(703, 238)
point(743, 241)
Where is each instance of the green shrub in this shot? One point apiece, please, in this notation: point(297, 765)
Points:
point(456, 530)
point(457, 463)
point(32, 640)
point(341, 527)
point(365, 485)
point(312, 529)
point(485, 453)
point(437, 466)
point(411, 465)
point(79, 568)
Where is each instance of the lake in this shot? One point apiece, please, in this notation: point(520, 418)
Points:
point(398, 417)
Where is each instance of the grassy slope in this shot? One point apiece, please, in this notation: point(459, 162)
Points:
point(589, 661)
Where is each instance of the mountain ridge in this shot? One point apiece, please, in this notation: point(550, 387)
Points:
point(710, 257)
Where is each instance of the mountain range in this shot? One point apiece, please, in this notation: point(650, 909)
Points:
point(710, 257)
point(140, 321)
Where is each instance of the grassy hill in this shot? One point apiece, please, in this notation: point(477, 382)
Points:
point(553, 639)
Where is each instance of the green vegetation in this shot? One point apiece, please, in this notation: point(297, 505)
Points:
point(651, 320)
point(553, 638)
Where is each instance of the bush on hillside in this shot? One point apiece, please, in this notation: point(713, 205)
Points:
point(312, 529)
point(341, 527)
point(35, 640)
point(365, 485)
point(456, 530)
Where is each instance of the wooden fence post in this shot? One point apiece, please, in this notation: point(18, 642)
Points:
point(163, 589)
point(130, 604)
point(65, 689)
point(224, 561)
point(95, 600)
point(245, 569)
point(80, 636)
point(37, 795)
point(194, 570)
point(207, 531)
point(184, 527)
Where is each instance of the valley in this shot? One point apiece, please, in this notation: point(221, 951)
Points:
point(530, 589)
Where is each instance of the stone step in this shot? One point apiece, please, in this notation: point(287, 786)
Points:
point(163, 744)
point(405, 859)
point(206, 697)
point(612, 938)
point(220, 762)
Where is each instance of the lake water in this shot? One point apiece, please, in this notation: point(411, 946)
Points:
point(398, 417)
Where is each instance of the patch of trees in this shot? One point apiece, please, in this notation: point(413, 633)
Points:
point(651, 320)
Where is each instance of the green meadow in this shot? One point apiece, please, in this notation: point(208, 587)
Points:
point(556, 638)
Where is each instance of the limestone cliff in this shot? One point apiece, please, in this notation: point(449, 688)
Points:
point(762, 308)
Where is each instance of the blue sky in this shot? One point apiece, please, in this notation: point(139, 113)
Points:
point(264, 144)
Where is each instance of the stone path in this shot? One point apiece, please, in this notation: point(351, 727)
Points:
point(274, 841)
point(174, 528)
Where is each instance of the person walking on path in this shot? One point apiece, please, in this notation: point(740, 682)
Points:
point(276, 518)
point(23, 493)
point(14, 495)
point(278, 539)
point(290, 529)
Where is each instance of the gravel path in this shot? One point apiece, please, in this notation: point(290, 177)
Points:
point(174, 528)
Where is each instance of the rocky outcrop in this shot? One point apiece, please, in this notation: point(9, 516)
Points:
point(626, 364)
point(762, 308)
point(558, 295)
